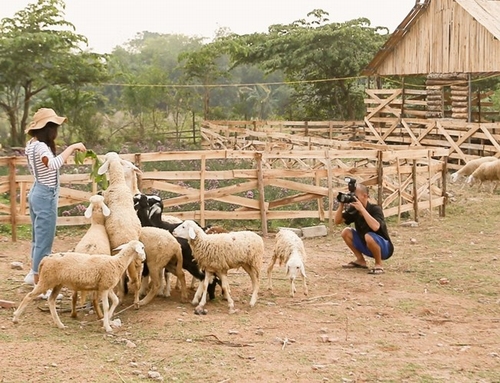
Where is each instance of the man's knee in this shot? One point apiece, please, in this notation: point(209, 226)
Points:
point(370, 241)
point(346, 234)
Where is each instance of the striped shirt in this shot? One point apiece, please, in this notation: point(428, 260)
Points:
point(46, 175)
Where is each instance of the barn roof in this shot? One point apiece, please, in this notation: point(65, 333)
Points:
point(443, 36)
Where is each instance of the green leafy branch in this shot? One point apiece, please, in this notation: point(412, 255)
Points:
point(100, 179)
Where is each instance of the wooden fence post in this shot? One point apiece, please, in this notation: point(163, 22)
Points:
point(202, 189)
point(330, 190)
point(415, 190)
point(380, 178)
point(262, 197)
point(12, 191)
point(444, 172)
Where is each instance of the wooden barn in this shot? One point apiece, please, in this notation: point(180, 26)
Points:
point(453, 47)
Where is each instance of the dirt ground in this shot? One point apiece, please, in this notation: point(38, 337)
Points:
point(434, 316)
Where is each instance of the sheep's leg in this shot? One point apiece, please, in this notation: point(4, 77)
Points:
point(52, 306)
point(200, 309)
point(114, 303)
point(193, 283)
point(163, 284)
point(293, 290)
point(254, 276)
point(144, 286)
point(181, 279)
point(105, 309)
point(97, 307)
point(269, 274)
point(74, 298)
point(225, 288)
point(134, 273)
point(167, 284)
point(304, 282)
point(155, 275)
point(198, 293)
point(39, 289)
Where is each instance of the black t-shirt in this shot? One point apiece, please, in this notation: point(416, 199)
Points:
point(352, 215)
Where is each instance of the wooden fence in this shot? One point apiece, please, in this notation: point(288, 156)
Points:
point(462, 140)
point(251, 185)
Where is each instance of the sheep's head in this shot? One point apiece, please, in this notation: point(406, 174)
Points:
point(454, 177)
point(136, 245)
point(97, 203)
point(470, 180)
point(110, 156)
point(186, 230)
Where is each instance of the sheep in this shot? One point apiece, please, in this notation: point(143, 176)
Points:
point(143, 204)
point(488, 171)
point(130, 172)
point(95, 241)
point(84, 272)
point(189, 263)
point(289, 249)
point(218, 253)
point(161, 249)
point(469, 167)
point(122, 225)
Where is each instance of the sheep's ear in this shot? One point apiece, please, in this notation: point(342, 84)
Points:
point(103, 168)
point(120, 247)
point(129, 164)
point(88, 212)
point(105, 210)
point(191, 233)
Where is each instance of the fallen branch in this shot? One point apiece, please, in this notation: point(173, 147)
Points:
point(225, 343)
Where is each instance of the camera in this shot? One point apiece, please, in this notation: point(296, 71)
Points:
point(348, 197)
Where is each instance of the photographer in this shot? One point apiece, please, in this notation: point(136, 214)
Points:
point(369, 236)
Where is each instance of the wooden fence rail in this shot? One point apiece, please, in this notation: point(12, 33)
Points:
point(250, 185)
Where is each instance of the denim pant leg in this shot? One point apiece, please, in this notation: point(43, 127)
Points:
point(43, 212)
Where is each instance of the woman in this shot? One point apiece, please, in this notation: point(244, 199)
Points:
point(43, 196)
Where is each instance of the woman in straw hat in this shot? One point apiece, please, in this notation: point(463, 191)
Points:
point(44, 164)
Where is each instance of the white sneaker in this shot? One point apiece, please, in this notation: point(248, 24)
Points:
point(29, 279)
point(47, 295)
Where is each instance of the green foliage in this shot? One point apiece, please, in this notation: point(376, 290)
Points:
point(100, 179)
point(38, 50)
point(323, 60)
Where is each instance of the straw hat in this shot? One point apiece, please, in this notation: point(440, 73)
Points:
point(42, 116)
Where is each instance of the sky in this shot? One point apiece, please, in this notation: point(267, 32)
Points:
point(109, 23)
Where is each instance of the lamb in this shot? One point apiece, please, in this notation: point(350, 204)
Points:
point(122, 225)
point(95, 241)
point(84, 272)
point(218, 253)
point(289, 249)
point(488, 171)
point(469, 167)
point(162, 249)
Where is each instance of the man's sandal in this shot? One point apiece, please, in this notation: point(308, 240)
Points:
point(354, 265)
point(376, 270)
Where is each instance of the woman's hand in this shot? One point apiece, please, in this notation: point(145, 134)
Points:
point(78, 146)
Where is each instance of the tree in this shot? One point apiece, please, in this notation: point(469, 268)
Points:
point(321, 60)
point(39, 50)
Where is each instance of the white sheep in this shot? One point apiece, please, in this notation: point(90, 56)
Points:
point(469, 167)
point(95, 241)
point(131, 171)
point(289, 249)
point(488, 171)
point(162, 250)
point(122, 225)
point(219, 253)
point(83, 272)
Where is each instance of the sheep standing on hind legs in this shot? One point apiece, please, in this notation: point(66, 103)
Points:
point(219, 253)
point(95, 241)
point(122, 225)
point(289, 249)
point(83, 272)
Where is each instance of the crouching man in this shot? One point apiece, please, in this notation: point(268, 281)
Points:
point(369, 236)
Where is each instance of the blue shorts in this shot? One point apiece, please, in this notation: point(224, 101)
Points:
point(361, 246)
